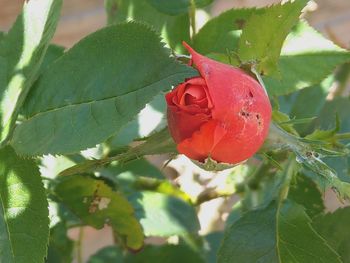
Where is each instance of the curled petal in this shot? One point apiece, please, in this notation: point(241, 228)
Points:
point(182, 124)
point(203, 141)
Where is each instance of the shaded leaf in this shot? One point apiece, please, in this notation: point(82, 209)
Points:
point(334, 227)
point(53, 52)
point(213, 242)
point(276, 22)
point(163, 215)
point(70, 109)
point(222, 32)
point(60, 246)
point(23, 49)
point(165, 254)
point(338, 107)
point(275, 234)
point(107, 254)
point(96, 205)
point(24, 222)
point(301, 108)
point(305, 192)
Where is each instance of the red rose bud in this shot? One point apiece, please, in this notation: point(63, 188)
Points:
point(224, 114)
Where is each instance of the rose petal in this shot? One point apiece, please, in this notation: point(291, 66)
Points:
point(239, 143)
point(201, 144)
point(221, 79)
point(182, 124)
point(179, 96)
point(232, 145)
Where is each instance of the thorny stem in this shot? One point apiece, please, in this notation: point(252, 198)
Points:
point(79, 246)
point(210, 195)
point(342, 136)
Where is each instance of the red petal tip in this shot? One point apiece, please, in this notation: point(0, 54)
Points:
point(188, 47)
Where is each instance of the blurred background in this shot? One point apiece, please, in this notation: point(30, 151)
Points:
point(81, 17)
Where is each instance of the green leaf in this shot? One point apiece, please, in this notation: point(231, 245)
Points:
point(150, 120)
point(23, 49)
point(165, 254)
point(213, 241)
point(334, 227)
point(70, 109)
point(108, 254)
point(173, 29)
point(301, 108)
point(275, 234)
point(263, 35)
point(60, 246)
point(178, 7)
point(53, 52)
point(307, 59)
point(305, 192)
point(163, 215)
point(222, 32)
point(96, 205)
point(304, 70)
point(154, 254)
point(338, 107)
point(138, 167)
point(24, 222)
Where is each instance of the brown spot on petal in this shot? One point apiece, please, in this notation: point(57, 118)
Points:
point(244, 113)
point(258, 118)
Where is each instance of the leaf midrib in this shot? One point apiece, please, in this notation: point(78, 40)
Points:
point(103, 99)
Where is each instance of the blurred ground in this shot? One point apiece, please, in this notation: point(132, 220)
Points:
point(81, 17)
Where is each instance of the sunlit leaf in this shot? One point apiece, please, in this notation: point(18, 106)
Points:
point(24, 222)
point(307, 58)
point(70, 109)
point(275, 23)
point(22, 50)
